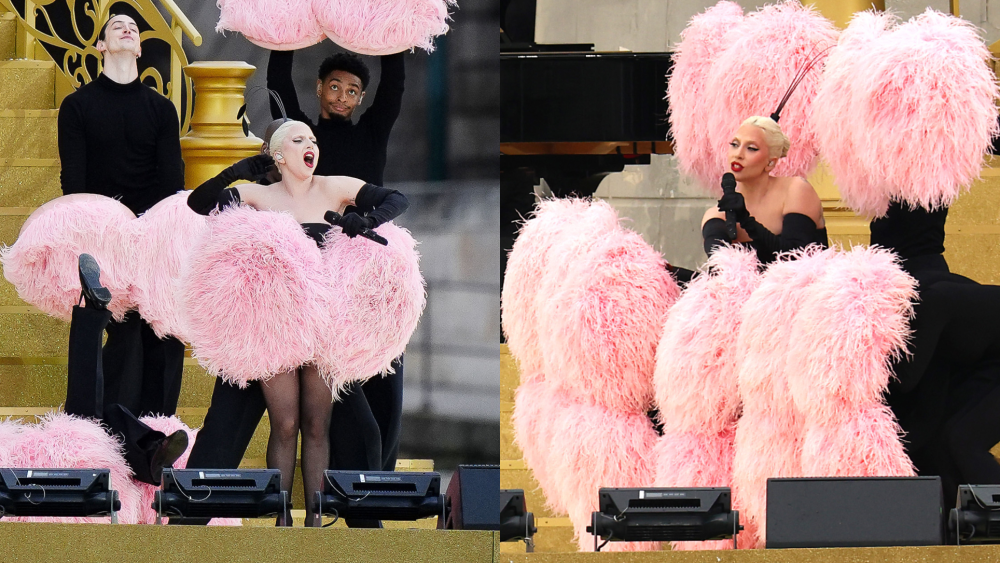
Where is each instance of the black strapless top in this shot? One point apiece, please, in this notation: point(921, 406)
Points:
point(316, 231)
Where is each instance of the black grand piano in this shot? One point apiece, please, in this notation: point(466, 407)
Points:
point(571, 115)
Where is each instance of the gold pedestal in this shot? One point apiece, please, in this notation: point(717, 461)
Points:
point(216, 139)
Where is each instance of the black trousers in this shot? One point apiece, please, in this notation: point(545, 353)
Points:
point(141, 371)
point(85, 392)
point(364, 428)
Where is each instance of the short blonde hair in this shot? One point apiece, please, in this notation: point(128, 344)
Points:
point(278, 137)
point(777, 142)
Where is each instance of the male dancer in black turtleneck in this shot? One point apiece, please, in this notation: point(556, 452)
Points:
point(119, 138)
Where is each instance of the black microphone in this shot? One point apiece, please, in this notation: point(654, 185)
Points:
point(334, 218)
point(728, 187)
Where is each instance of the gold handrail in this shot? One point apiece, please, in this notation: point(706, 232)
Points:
point(183, 21)
point(79, 61)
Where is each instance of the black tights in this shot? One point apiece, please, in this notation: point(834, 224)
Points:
point(299, 400)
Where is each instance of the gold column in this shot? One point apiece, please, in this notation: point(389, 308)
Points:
point(216, 139)
point(840, 11)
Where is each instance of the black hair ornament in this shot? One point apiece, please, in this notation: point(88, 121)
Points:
point(795, 82)
point(242, 114)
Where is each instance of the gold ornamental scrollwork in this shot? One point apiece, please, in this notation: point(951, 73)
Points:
point(68, 30)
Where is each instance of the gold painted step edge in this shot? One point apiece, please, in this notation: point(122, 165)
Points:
point(23, 63)
point(559, 522)
point(506, 406)
point(512, 464)
point(29, 113)
point(37, 162)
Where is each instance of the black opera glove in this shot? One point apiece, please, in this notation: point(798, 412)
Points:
point(251, 168)
point(735, 203)
point(353, 224)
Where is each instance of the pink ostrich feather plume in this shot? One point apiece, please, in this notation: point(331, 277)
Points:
point(168, 425)
point(596, 447)
point(383, 27)
point(535, 401)
point(376, 296)
point(527, 265)
point(706, 35)
point(608, 316)
point(784, 38)
point(63, 441)
point(839, 126)
point(695, 459)
point(248, 295)
point(166, 236)
point(280, 25)
point(864, 442)
point(853, 321)
point(769, 430)
point(695, 376)
point(43, 263)
point(927, 113)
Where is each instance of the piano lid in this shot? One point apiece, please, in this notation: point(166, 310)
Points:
point(616, 99)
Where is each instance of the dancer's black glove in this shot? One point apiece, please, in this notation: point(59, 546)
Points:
point(205, 197)
point(735, 203)
point(353, 224)
point(251, 168)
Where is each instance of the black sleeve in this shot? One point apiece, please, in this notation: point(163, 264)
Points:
point(205, 197)
point(381, 204)
point(169, 164)
point(72, 143)
point(388, 96)
point(714, 234)
point(279, 79)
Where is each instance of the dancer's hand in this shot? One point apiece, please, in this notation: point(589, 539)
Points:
point(734, 202)
point(353, 224)
point(252, 168)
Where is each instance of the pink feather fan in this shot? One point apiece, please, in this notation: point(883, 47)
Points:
point(534, 403)
point(248, 295)
point(43, 262)
point(282, 25)
point(528, 264)
point(383, 27)
point(597, 447)
point(839, 130)
point(706, 35)
point(61, 440)
point(854, 321)
point(165, 236)
point(926, 112)
point(768, 434)
point(375, 295)
point(753, 73)
point(606, 318)
point(695, 378)
point(168, 425)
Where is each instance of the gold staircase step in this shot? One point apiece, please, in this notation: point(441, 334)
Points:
point(27, 84)
point(32, 335)
point(508, 449)
point(509, 377)
point(8, 33)
point(28, 134)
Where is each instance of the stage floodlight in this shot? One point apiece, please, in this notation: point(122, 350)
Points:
point(516, 523)
point(664, 515)
point(381, 495)
point(215, 493)
point(976, 516)
point(58, 492)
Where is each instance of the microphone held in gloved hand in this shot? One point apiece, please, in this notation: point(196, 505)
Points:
point(335, 218)
point(729, 187)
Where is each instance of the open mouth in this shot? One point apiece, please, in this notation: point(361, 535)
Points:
point(309, 159)
point(736, 166)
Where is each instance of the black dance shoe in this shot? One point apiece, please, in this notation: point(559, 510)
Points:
point(166, 453)
point(92, 293)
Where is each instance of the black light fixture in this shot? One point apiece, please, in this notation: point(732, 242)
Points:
point(664, 514)
point(381, 495)
point(976, 516)
point(215, 493)
point(516, 523)
point(58, 492)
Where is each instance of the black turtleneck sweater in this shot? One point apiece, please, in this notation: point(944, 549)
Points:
point(345, 148)
point(122, 141)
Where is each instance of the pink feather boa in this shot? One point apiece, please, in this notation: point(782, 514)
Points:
point(248, 295)
point(43, 263)
point(166, 236)
point(369, 27)
point(375, 296)
point(168, 425)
